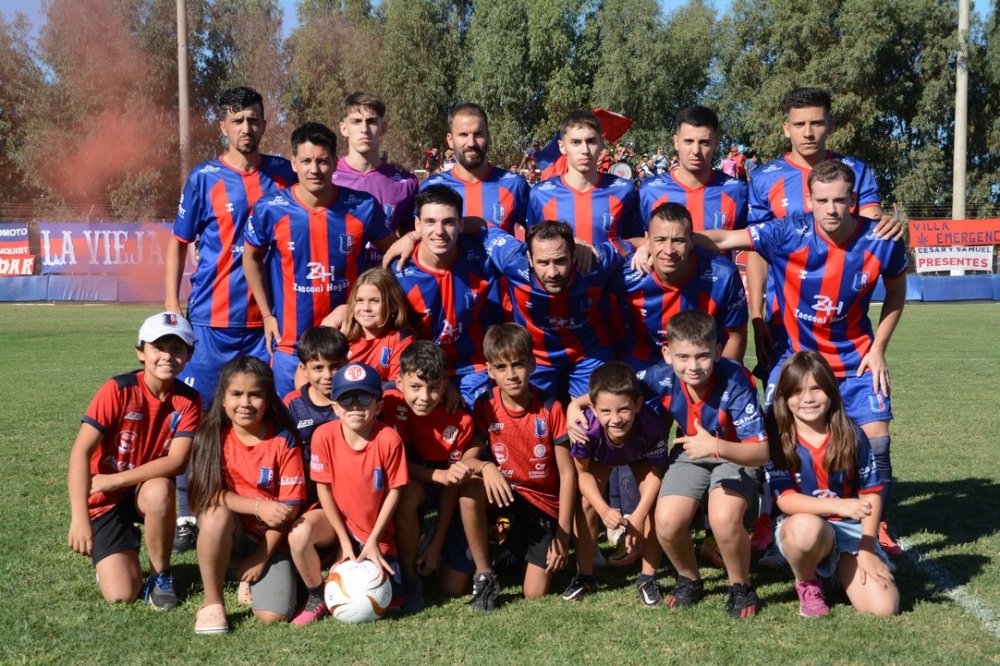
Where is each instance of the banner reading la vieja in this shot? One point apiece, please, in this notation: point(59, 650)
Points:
point(103, 248)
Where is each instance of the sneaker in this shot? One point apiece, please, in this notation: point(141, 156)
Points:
point(762, 534)
point(185, 537)
point(485, 590)
point(579, 587)
point(686, 592)
point(649, 593)
point(773, 559)
point(413, 589)
point(888, 544)
point(616, 534)
point(623, 558)
point(743, 602)
point(159, 593)
point(710, 553)
point(314, 611)
point(811, 601)
point(599, 560)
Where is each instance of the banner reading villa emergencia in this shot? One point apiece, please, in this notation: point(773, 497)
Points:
point(945, 233)
point(18, 249)
point(960, 257)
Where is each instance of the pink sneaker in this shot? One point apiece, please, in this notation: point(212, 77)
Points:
point(311, 613)
point(811, 602)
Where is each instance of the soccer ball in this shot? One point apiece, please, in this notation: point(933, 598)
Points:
point(358, 591)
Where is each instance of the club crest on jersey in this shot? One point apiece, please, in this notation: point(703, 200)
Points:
point(539, 449)
point(877, 403)
point(541, 429)
point(860, 282)
point(126, 442)
point(607, 220)
point(499, 213)
point(384, 355)
point(450, 434)
point(471, 299)
point(175, 420)
point(265, 478)
point(347, 243)
point(378, 479)
point(500, 453)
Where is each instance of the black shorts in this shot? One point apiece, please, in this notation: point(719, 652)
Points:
point(116, 530)
point(531, 531)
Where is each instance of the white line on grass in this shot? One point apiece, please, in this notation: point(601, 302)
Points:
point(957, 593)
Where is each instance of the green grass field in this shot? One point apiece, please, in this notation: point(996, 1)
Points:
point(946, 382)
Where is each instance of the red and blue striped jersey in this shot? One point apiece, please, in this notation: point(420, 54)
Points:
point(814, 480)
point(454, 307)
point(567, 327)
point(313, 256)
point(607, 211)
point(501, 198)
point(214, 208)
point(779, 188)
point(825, 289)
point(713, 286)
point(719, 204)
point(730, 409)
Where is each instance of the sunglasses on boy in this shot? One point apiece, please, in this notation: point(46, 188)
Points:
point(356, 398)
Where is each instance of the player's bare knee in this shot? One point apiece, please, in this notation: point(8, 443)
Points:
point(270, 617)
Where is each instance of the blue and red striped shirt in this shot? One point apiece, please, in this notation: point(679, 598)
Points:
point(825, 289)
point(214, 209)
point(313, 255)
point(719, 204)
point(501, 198)
point(607, 211)
point(713, 286)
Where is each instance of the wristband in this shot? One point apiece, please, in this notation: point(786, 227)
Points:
point(255, 507)
point(717, 448)
point(413, 236)
point(269, 315)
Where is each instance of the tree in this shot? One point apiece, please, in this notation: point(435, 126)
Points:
point(23, 83)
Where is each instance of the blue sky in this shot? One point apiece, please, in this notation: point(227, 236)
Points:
point(33, 10)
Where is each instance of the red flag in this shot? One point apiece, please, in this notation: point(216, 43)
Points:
point(613, 125)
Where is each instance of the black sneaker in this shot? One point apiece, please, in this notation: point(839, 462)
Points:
point(579, 587)
point(743, 602)
point(185, 537)
point(485, 590)
point(159, 593)
point(686, 593)
point(649, 593)
point(413, 591)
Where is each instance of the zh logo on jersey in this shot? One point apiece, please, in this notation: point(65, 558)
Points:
point(825, 305)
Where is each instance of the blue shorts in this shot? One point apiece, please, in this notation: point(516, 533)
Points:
point(284, 367)
point(470, 385)
point(554, 381)
point(213, 348)
point(846, 539)
point(862, 403)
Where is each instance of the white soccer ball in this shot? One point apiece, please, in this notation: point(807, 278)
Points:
point(358, 591)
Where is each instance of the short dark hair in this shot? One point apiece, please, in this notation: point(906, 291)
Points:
point(468, 109)
point(438, 194)
point(673, 212)
point(362, 100)
point(804, 98)
point(828, 171)
point(507, 342)
point(580, 119)
point(694, 326)
point(315, 133)
point(697, 115)
point(235, 100)
point(425, 360)
point(322, 342)
point(615, 378)
point(549, 230)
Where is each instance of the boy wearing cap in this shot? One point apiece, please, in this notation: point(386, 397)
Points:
point(359, 468)
point(135, 438)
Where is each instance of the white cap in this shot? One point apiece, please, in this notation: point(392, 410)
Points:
point(164, 324)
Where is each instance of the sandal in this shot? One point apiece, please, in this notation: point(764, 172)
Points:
point(211, 620)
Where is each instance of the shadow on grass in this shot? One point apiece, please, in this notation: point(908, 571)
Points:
point(957, 512)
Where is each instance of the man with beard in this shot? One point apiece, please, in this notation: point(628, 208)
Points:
point(213, 210)
point(497, 196)
point(564, 306)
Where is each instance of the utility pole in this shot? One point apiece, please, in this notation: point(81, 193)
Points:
point(961, 113)
point(183, 96)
